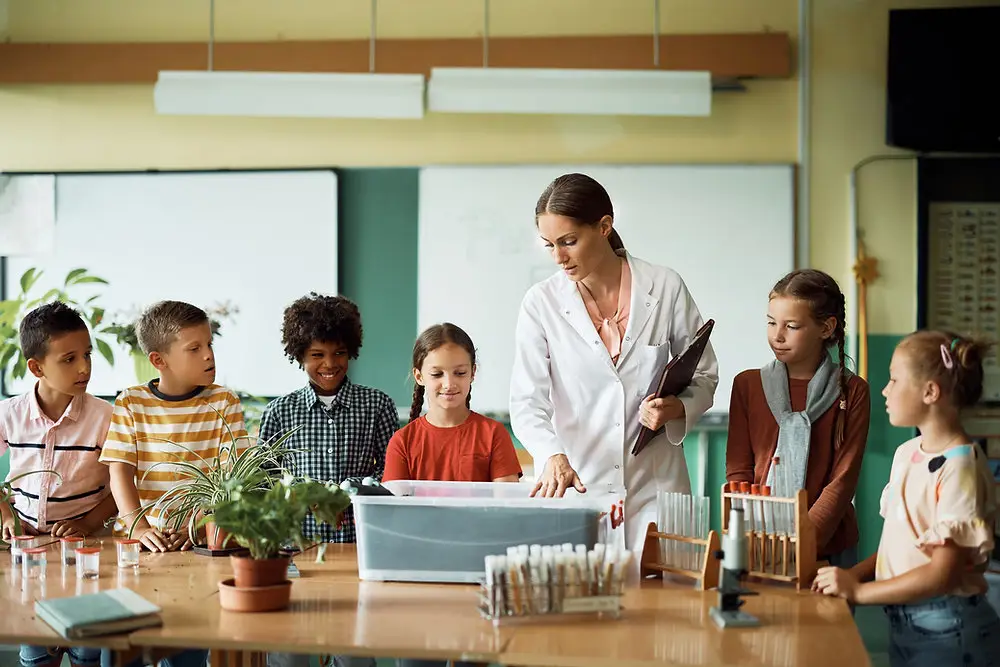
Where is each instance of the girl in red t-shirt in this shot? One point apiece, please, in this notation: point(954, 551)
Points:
point(451, 442)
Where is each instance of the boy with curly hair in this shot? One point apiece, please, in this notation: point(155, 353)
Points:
point(345, 427)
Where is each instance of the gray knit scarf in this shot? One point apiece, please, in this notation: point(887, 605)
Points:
point(795, 428)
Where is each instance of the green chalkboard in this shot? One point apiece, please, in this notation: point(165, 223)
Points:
point(378, 271)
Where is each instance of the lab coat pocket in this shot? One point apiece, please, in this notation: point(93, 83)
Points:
point(652, 359)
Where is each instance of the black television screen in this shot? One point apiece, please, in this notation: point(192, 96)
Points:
point(943, 79)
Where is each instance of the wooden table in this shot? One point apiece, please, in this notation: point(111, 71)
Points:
point(332, 612)
point(669, 624)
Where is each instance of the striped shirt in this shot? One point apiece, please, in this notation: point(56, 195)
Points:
point(149, 427)
point(70, 446)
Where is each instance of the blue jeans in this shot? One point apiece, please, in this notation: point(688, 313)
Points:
point(35, 656)
point(944, 631)
point(192, 657)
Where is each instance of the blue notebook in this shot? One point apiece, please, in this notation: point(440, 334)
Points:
point(105, 613)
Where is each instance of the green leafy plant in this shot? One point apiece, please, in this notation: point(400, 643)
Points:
point(7, 493)
point(263, 522)
point(12, 311)
point(207, 482)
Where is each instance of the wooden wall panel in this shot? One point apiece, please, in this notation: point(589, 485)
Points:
point(751, 55)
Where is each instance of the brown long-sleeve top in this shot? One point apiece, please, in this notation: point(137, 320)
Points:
point(832, 474)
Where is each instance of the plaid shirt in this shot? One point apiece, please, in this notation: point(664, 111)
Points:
point(346, 441)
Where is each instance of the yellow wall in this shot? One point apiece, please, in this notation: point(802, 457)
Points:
point(849, 41)
point(115, 127)
point(65, 127)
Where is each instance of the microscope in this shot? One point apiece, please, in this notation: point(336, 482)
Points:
point(734, 569)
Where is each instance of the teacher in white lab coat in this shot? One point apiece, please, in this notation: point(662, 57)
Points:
point(588, 342)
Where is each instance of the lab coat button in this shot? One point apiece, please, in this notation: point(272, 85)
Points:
point(628, 338)
point(647, 304)
point(618, 467)
point(618, 424)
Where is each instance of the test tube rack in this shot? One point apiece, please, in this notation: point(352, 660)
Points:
point(652, 566)
point(553, 581)
point(781, 540)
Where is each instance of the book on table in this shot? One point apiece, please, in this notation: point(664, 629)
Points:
point(105, 613)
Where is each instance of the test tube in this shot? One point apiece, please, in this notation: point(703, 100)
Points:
point(128, 553)
point(689, 531)
point(745, 490)
point(769, 542)
point(676, 530)
point(34, 561)
point(68, 547)
point(660, 526)
point(88, 562)
point(706, 521)
point(734, 487)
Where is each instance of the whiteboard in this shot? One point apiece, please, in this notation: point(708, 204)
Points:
point(255, 239)
point(728, 230)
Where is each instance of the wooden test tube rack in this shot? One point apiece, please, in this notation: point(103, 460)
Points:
point(651, 565)
point(773, 555)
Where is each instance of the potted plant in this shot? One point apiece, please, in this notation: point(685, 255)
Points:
point(13, 310)
point(263, 522)
point(123, 329)
point(244, 465)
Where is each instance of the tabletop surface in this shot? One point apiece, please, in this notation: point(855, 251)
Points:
point(332, 612)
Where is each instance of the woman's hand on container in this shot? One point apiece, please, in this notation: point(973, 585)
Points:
point(557, 476)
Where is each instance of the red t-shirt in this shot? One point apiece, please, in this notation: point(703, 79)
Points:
point(478, 450)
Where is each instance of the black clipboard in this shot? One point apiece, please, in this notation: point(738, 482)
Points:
point(675, 377)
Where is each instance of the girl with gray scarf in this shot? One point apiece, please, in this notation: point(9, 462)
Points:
point(805, 411)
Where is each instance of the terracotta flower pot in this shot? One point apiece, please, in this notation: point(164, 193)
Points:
point(252, 573)
point(260, 598)
point(216, 537)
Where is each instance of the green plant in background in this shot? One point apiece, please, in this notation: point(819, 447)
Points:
point(206, 482)
point(7, 492)
point(12, 311)
point(264, 522)
point(253, 410)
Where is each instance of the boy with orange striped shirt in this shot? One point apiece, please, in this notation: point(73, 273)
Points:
point(183, 406)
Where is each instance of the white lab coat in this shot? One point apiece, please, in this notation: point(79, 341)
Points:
point(566, 396)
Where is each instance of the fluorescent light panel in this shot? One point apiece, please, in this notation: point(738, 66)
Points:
point(570, 91)
point(290, 94)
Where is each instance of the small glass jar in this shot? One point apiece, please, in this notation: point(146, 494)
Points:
point(69, 545)
point(34, 561)
point(88, 562)
point(17, 547)
point(128, 553)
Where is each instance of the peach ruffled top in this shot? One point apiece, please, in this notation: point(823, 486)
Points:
point(932, 498)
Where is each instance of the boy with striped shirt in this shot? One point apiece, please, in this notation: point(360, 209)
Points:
point(183, 406)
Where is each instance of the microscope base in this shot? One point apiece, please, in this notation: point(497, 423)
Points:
point(733, 619)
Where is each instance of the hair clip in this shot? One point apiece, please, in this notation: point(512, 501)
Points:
point(946, 357)
point(843, 404)
point(954, 342)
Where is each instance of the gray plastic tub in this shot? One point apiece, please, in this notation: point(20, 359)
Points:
point(442, 531)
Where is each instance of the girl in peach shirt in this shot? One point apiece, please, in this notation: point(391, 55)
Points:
point(939, 509)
